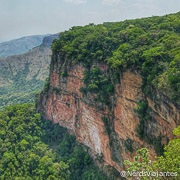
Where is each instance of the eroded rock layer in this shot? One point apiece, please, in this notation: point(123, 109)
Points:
point(63, 103)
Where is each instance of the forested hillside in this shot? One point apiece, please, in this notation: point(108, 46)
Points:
point(33, 148)
point(21, 76)
point(117, 86)
point(149, 45)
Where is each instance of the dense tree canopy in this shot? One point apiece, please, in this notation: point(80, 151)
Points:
point(32, 148)
point(150, 45)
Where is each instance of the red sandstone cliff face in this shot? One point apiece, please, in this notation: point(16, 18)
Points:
point(63, 103)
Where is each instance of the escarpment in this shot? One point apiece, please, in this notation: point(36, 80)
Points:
point(107, 94)
point(108, 132)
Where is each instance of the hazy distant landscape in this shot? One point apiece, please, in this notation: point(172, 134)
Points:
point(23, 75)
point(20, 46)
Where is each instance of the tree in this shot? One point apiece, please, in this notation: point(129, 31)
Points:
point(171, 159)
point(167, 165)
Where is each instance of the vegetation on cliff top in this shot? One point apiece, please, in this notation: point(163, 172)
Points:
point(150, 45)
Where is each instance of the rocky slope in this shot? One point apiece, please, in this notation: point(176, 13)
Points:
point(34, 60)
point(115, 86)
point(22, 75)
point(20, 46)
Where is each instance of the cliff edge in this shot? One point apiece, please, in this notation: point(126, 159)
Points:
point(106, 87)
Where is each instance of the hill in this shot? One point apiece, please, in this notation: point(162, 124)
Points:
point(21, 76)
point(20, 46)
point(116, 86)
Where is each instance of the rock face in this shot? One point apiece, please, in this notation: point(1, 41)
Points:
point(63, 103)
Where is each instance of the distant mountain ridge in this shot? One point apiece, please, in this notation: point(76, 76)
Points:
point(47, 41)
point(21, 45)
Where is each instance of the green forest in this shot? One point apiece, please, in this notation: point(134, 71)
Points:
point(33, 148)
point(21, 90)
point(148, 45)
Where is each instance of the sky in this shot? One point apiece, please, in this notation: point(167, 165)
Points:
point(20, 18)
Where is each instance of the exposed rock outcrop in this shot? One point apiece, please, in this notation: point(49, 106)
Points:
point(63, 103)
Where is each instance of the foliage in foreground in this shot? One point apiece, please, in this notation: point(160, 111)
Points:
point(31, 148)
point(168, 166)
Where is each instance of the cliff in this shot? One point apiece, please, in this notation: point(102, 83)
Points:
point(106, 89)
point(63, 103)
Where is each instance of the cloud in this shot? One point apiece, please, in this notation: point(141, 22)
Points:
point(111, 2)
point(76, 1)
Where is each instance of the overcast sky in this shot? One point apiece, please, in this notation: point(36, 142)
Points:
point(31, 17)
